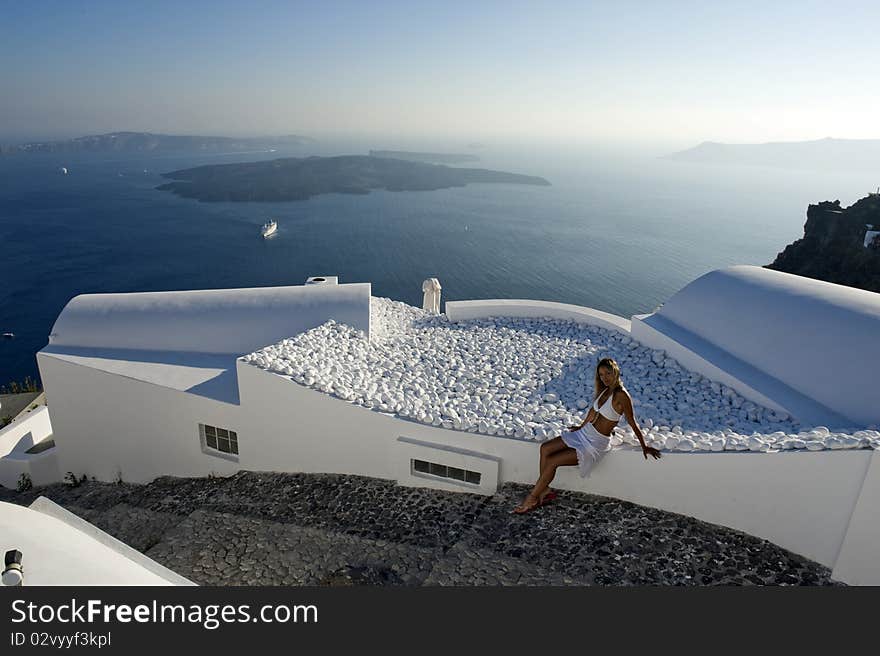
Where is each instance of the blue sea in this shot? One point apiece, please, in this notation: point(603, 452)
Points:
point(620, 232)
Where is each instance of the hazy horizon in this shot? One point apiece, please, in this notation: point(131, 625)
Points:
point(668, 76)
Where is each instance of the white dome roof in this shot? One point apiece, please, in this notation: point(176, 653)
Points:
point(207, 321)
point(818, 338)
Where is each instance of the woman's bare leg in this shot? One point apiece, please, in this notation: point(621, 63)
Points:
point(564, 456)
point(567, 456)
point(548, 448)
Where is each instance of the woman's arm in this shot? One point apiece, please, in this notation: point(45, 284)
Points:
point(631, 420)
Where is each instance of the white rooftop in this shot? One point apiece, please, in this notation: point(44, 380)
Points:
point(815, 338)
point(204, 374)
point(207, 320)
point(189, 340)
point(59, 548)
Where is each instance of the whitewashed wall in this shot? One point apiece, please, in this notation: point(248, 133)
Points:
point(482, 309)
point(23, 434)
point(295, 428)
point(208, 321)
point(801, 501)
point(42, 468)
point(110, 426)
point(857, 561)
point(16, 439)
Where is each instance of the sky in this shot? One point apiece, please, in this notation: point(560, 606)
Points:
point(569, 72)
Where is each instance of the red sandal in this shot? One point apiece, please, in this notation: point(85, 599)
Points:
point(527, 509)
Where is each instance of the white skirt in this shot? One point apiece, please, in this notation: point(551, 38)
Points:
point(590, 445)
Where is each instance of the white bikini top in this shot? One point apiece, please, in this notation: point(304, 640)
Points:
point(607, 410)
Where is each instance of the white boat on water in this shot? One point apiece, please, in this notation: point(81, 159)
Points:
point(269, 229)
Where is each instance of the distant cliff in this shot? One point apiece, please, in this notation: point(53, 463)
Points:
point(301, 178)
point(832, 248)
point(431, 158)
point(823, 154)
point(146, 142)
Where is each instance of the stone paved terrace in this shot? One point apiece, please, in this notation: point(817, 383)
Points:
point(328, 529)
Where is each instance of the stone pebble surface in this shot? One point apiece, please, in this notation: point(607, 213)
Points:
point(261, 528)
point(529, 379)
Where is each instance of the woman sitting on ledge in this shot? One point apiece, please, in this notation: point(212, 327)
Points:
point(586, 444)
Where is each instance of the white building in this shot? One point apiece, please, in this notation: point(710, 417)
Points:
point(149, 384)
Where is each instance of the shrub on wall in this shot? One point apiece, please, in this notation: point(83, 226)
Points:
point(71, 479)
point(24, 482)
point(14, 387)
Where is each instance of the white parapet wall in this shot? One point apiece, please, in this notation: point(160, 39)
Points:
point(207, 321)
point(801, 501)
point(296, 428)
point(857, 560)
point(483, 309)
point(15, 441)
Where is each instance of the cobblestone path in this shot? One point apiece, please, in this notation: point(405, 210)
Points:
point(326, 529)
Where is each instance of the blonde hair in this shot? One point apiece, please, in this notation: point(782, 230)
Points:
point(608, 363)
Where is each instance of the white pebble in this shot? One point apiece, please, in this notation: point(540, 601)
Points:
point(527, 378)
